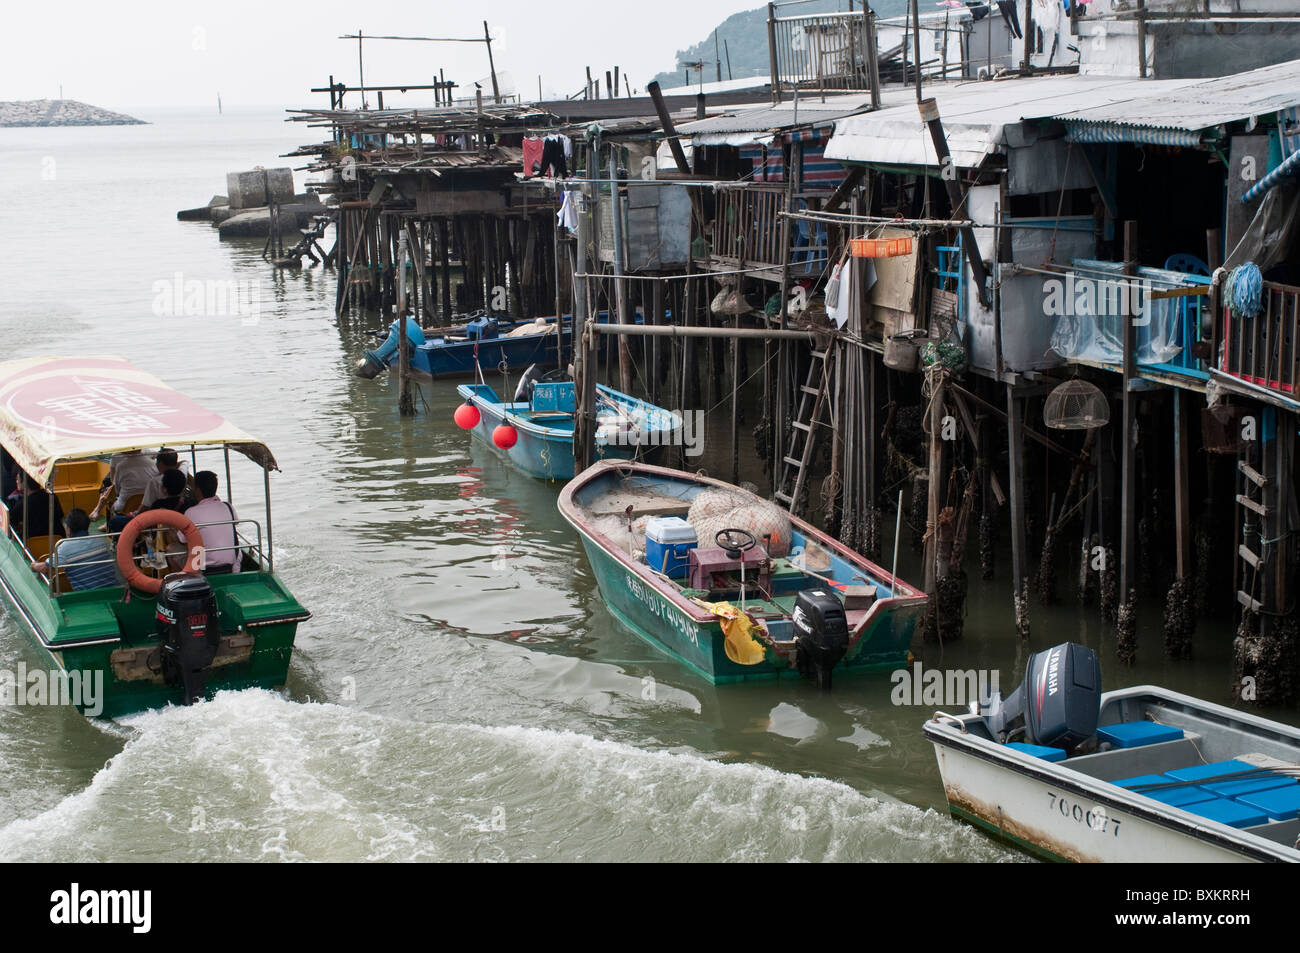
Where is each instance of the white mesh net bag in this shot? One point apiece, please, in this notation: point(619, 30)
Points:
point(716, 509)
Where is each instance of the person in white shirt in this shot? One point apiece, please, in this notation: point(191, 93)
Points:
point(130, 474)
point(221, 554)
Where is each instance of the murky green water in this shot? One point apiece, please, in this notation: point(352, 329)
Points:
point(461, 692)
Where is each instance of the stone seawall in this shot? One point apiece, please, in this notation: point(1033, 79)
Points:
point(61, 112)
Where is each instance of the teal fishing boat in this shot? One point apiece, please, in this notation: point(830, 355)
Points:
point(730, 584)
point(535, 430)
point(121, 626)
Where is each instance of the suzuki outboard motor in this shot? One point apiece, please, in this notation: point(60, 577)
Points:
point(375, 361)
point(821, 634)
point(188, 631)
point(1058, 702)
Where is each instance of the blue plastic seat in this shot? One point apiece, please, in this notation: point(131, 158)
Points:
point(1039, 751)
point(1281, 804)
point(1134, 734)
point(1235, 789)
point(1173, 796)
point(1232, 813)
point(1187, 264)
point(1202, 771)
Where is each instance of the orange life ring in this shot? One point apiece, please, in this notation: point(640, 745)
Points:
point(131, 532)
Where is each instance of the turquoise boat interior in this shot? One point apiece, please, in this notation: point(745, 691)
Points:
point(550, 406)
point(783, 560)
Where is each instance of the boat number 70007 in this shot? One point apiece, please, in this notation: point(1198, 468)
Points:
point(1095, 816)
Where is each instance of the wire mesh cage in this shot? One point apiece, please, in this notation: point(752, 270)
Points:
point(1076, 405)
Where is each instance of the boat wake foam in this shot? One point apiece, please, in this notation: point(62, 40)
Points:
point(250, 776)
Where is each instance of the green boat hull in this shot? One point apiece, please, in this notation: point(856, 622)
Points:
point(102, 636)
point(642, 607)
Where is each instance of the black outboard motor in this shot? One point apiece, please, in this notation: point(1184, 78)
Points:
point(524, 392)
point(189, 632)
point(1057, 704)
point(821, 634)
point(368, 367)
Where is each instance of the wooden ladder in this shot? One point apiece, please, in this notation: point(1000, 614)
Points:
point(812, 402)
point(1257, 505)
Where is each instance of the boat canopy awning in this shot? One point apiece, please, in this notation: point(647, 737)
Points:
point(69, 408)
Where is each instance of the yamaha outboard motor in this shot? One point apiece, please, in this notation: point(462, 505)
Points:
point(821, 634)
point(188, 632)
point(375, 361)
point(1057, 704)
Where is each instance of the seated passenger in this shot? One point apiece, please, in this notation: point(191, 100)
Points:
point(89, 562)
point(129, 475)
point(219, 541)
point(173, 498)
point(38, 510)
point(166, 461)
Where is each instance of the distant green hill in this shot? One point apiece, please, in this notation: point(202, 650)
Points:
point(746, 40)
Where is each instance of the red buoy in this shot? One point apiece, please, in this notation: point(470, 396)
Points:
point(466, 416)
point(505, 436)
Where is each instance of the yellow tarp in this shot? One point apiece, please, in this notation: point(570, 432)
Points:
point(740, 646)
point(54, 408)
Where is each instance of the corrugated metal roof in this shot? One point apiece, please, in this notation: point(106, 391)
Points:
point(974, 115)
point(766, 118)
point(1199, 105)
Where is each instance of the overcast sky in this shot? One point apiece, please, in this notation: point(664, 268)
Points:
point(270, 52)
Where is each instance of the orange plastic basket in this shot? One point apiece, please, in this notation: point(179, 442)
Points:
point(879, 247)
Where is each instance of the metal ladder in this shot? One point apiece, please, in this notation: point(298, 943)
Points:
point(812, 402)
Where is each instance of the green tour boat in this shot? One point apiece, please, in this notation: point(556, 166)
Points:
point(162, 610)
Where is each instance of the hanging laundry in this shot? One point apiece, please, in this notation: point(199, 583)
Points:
point(568, 213)
point(532, 156)
point(553, 157)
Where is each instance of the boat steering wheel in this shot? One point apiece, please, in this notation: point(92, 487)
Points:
point(735, 541)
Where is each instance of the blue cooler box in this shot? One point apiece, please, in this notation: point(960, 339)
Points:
point(667, 541)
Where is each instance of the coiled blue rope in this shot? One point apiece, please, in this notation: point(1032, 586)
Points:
point(1246, 289)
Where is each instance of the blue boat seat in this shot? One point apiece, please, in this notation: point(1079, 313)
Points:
point(1232, 813)
point(1039, 751)
point(1281, 804)
point(1173, 796)
point(1201, 771)
point(1236, 789)
point(1134, 734)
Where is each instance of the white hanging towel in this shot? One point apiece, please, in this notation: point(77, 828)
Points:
point(568, 213)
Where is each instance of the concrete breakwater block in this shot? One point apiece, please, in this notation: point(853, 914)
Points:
point(279, 185)
point(206, 213)
point(246, 189)
point(256, 223)
point(257, 187)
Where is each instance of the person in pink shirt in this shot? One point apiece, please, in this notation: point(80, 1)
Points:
point(221, 553)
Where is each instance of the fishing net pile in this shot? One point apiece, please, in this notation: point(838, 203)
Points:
point(536, 326)
point(715, 509)
point(615, 527)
